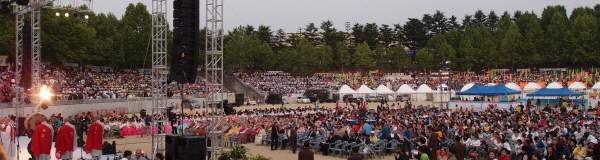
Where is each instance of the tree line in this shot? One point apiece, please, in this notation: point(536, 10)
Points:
point(479, 41)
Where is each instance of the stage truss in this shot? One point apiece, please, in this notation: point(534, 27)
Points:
point(33, 9)
point(159, 74)
point(214, 74)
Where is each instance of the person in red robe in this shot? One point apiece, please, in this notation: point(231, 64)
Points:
point(66, 141)
point(93, 144)
point(41, 141)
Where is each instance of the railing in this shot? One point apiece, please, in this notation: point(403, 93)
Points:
point(92, 101)
point(237, 85)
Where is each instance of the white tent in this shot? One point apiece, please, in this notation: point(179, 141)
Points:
point(513, 86)
point(383, 90)
point(467, 87)
point(424, 89)
point(364, 90)
point(554, 85)
point(596, 86)
point(490, 84)
point(405, 89)
point(442, 87)
point(577, 85)
point(532, 86)
point(346, 90)
point(421, 93)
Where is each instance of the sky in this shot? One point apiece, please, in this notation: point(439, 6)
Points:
point(290, 15)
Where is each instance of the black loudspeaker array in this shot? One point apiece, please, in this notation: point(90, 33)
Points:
point(26, 70)
point(185, 147)
point(22, 2)
point(186, 25)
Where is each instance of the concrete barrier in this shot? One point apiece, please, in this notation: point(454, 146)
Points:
point(132, 105)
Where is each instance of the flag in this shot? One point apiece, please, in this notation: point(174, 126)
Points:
point(562, 74)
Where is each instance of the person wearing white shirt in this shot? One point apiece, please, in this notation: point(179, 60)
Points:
point(506, 145)
point(473, 144)
point(518, 146)
point(516, 137)
point(592, 139)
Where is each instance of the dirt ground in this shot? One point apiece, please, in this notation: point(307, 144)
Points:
point(144, 143)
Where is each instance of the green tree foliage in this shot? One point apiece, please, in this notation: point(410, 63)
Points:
point(425, 59)
point(136, 28)
point(548, 14)
point(305, 58)
point(342, 56)
point(415, 34)
point(247, 51)
point(511, 45)
point(330, 34)
point(587, 41)
point(481, 40)
point(7, 35)
point(325, 56)
point(265, 34)
point(398, 58)
point(492, 21)
point(557, 39)
point(312, 34)
point(363, 57)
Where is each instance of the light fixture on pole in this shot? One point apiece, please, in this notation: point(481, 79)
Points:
point(57, 14)
point(67, 14)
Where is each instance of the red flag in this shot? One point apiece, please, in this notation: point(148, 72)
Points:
point(65, 140)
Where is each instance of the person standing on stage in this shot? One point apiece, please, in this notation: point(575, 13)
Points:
point(66, 141)
point(93, 144)
point(41, 141)
point(9, 139)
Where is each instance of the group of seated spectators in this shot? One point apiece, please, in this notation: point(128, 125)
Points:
point(72, 83)
point(281, 82)
point(499, 134)
point(285, 83)
point(6, 79)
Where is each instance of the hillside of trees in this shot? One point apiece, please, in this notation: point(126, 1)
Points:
point(483, 40)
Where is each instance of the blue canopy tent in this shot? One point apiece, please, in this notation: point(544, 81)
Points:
point(489, 90)
point(546, 92)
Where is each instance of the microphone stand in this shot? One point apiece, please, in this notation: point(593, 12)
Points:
point(369, 148)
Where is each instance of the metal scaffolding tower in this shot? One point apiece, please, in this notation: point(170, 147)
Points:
point(214, 74)
point(33, 9)
point(159, 74)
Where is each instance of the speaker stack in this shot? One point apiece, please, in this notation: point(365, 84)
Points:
point(186, 33)
point(186, 147)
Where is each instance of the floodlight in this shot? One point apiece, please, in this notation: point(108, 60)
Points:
point(57, 14)
point(86, 16)
point(45, 93)
point(66, 14)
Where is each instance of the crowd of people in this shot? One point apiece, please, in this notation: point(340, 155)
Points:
point(6, 79)
point(285, 83)
point(72, 83)
point(523, 134)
